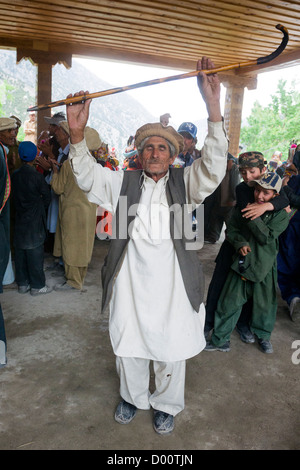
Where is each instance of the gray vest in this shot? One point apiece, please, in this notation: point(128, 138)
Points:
point(190, 266)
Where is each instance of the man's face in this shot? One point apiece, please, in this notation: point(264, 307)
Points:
point(8, 136)
point(61, 136)
point(262, 195)
point(155, 157)
point(52, 129)
point(250, 174)
point(189, 143)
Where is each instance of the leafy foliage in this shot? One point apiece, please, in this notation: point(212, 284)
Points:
point(273, 127)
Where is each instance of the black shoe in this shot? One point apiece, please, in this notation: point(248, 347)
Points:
point(211, 347)
point(245, 334)
point(125, 412)
point(163, 423)
point(64, 286)
point(265, 346)
point(23, 289)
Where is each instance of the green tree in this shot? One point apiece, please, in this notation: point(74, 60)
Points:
point(273, 127)
point(6, 96)
point(13, 101)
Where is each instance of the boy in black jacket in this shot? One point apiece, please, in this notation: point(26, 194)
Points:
point(31, 195)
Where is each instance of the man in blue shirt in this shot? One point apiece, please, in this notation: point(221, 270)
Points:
point(188, 130)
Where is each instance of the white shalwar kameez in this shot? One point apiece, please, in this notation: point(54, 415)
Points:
point(151, 317)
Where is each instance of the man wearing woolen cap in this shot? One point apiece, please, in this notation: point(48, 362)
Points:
point(7, 136)
point(75, 230)
point(152, 282)
point(8, 128)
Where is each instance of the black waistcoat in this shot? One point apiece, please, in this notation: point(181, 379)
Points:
point(190, 266)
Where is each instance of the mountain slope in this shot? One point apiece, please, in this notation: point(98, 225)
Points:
point(115, 117)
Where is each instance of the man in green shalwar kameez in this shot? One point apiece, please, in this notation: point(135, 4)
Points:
point(253, 271)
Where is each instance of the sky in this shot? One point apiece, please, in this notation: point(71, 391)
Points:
point(180, 98)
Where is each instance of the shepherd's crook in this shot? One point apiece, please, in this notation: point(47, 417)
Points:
point(261, 60)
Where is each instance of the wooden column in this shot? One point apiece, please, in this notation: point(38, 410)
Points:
point(44, 90)
point(235, 86)
point(44, 59)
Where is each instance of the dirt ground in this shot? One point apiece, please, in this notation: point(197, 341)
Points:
point(59, 389)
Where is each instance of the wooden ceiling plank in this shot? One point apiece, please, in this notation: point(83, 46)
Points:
point(114, 11)
point(209, 11)
point(247, 7)
point(218, 41)
point(165, 20)
point(158, 27)
point(139, 40)
point(189, 9)
point(245, 40)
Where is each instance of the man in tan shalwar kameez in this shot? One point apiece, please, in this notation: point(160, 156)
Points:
point(30, 128)
point(75, 231)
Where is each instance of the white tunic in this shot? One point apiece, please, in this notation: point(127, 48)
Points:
point(150, 314)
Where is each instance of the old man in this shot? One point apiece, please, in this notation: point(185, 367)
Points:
point(152, 283)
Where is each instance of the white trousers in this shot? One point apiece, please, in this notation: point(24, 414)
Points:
point(134, 376)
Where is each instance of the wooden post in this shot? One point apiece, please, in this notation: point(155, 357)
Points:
point(235, 86)
point(44, 59)
point(44, 89)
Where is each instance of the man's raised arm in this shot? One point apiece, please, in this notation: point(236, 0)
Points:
point(78, 115)
point(210, 89)
point(101, 185)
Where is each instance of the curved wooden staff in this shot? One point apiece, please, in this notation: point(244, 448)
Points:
point(261, 60)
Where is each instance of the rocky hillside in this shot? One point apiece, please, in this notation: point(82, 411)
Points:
point(115, 117)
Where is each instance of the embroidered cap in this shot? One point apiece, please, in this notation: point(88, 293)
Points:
point(251, 160)
point(157, 129)
point(269, 180)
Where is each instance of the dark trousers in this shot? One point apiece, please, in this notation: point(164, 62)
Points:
point(289, 285)
point(29, 267)
point(222, 269)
